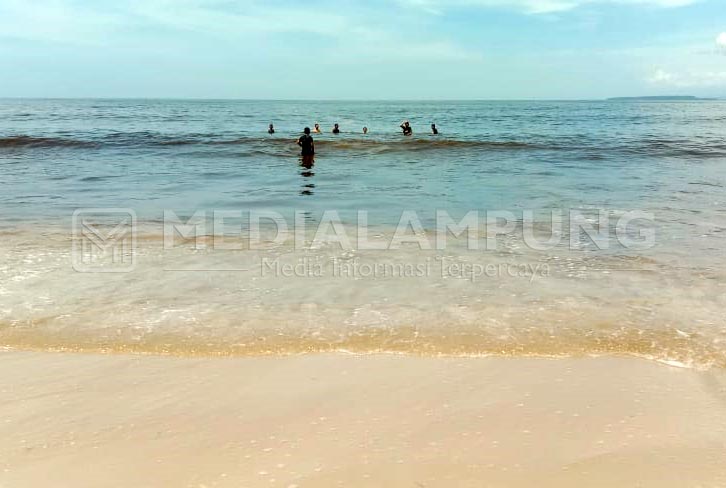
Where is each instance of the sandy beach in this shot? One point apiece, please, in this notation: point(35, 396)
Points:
point(402, 244)
point(85, 420)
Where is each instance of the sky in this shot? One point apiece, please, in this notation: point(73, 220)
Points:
point(351, 49)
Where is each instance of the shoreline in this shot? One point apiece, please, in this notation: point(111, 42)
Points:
point(217, 354)
point(86, 419)
point(219, 303)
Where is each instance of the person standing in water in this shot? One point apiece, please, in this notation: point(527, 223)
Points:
point(336, 129)
point(434, 130)
point(271, 130)
point(306, 143)
point(317, 130)
point(365, 130)
point(406, 126)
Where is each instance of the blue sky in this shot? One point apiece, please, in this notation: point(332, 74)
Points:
point(380, 49)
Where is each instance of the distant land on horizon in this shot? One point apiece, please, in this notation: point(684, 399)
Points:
point(661, 98)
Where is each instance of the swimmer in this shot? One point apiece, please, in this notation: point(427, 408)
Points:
point(406, 126)
point(306, 143)
point(434, 130)
point(365, 130)
point(317, 130)
point(271, 130)
point(336, 129)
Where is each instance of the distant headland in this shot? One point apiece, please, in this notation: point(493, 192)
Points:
point(659, 98)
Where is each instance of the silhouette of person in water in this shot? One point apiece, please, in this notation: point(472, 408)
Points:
point(317, 129)
point(306, 143)
point(365, 130)
point(307, 160)
point(406, 126)
point(434, 130)
point(307, 163)
point(336, 129)
point(271, 130)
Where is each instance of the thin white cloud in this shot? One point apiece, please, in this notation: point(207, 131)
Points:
point(56, 21)
point(661, 77)
point(695, 79)
point(354, 35)
point(238, 19)
point(538, 6)
point(721, 43)
point(90, 22)
point(81, 22)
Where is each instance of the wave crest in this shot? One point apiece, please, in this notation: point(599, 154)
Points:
point(29, 141)
point(588, 149)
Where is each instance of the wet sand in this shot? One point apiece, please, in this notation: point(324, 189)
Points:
point(85, 420)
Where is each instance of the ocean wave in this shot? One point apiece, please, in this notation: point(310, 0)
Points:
point(29, 142)
point(280, 145)
point(388, 145)
point(150, 139)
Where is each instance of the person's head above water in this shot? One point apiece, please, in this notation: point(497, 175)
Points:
point(406, 126)
point(365, 130)
point(306, 130)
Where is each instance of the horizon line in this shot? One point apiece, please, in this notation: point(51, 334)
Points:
point(230, 99)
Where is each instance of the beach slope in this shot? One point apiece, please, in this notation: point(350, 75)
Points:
point(84, 420)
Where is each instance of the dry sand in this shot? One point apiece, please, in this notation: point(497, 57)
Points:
point(83, 420)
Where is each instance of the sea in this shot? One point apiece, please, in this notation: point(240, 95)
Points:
point(524, 228)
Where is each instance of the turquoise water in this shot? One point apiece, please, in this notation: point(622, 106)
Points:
point(663, 302)
point(58, 155)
